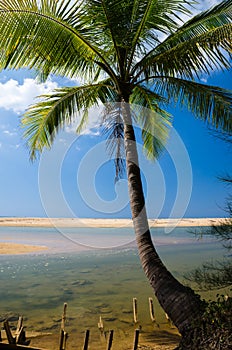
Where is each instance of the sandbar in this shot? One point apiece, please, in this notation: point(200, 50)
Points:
point(100, 223)
point(16, 248)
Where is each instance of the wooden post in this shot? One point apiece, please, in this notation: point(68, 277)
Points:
point(136, 340)
point(64, 316)
point(20, 334)
point(110, 340)
point(21, 337)
point(135, 310)
point(168, 319)
point(65, 340)
point(63, 334)
point(100, 325)
point(86, 342)
point(151, 308)
point(10, 338)
point(19, 325)
point(61, 339)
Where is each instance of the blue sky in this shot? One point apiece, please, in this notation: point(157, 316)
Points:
point(76, 178)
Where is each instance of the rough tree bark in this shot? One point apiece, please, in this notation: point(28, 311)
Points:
point(180, 302)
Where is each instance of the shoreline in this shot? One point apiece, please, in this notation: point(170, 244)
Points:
point(12, 248)
point(101, 223)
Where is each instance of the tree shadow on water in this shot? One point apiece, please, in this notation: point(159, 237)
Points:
point(162, 337)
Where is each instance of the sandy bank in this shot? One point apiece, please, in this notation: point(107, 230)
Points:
point(16, 248)
point(79, 222)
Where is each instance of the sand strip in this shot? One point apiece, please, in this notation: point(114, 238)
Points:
point(100, 223)
point(15, 248)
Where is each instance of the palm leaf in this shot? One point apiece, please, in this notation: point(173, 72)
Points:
point(201, 44)
point(209, 103)
point(44, 119)
point(42, 35)
point(128, 27)
point(113, 128)
point(151, 18)
point(154, 121)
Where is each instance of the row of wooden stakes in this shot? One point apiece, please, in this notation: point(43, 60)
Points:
point(64, 334)
point(151, 311)
point(19, 341)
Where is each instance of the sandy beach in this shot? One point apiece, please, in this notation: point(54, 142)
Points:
point(87, 222)
point(16, 248)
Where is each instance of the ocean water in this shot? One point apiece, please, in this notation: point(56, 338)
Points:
point(96, 271)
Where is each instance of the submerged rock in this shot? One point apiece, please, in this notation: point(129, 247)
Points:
point(127, 311)
point(11, 317)
point(105, 310)
point(81, 283)
point(110, 319)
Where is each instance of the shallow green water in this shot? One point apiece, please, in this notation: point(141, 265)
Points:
point(94, 283)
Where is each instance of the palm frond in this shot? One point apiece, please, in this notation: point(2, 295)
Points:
point(209, 103)
point(44, 119)
point(201, 44)
point(41, 35)
point(114, 130)
point(149, 18)
point(102, 15)
point(154, 121)
point(129, 27)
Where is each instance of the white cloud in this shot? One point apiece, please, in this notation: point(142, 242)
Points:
point(16, 97)
point(9, 133)
point(204, 80)
point(62, 140)
point(91, 132)
point(92, 125)
point(15, 146)
point(90, 129)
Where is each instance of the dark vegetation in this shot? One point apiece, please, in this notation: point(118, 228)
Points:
point(214, 330)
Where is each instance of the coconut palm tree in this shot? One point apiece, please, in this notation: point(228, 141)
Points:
point(125, 52)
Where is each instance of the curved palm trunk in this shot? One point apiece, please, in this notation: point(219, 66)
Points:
point(179, 302)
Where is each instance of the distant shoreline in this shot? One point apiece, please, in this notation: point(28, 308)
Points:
point(101, 223)
point(12, 248)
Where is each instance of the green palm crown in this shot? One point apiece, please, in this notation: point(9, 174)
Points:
point(133, 51)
